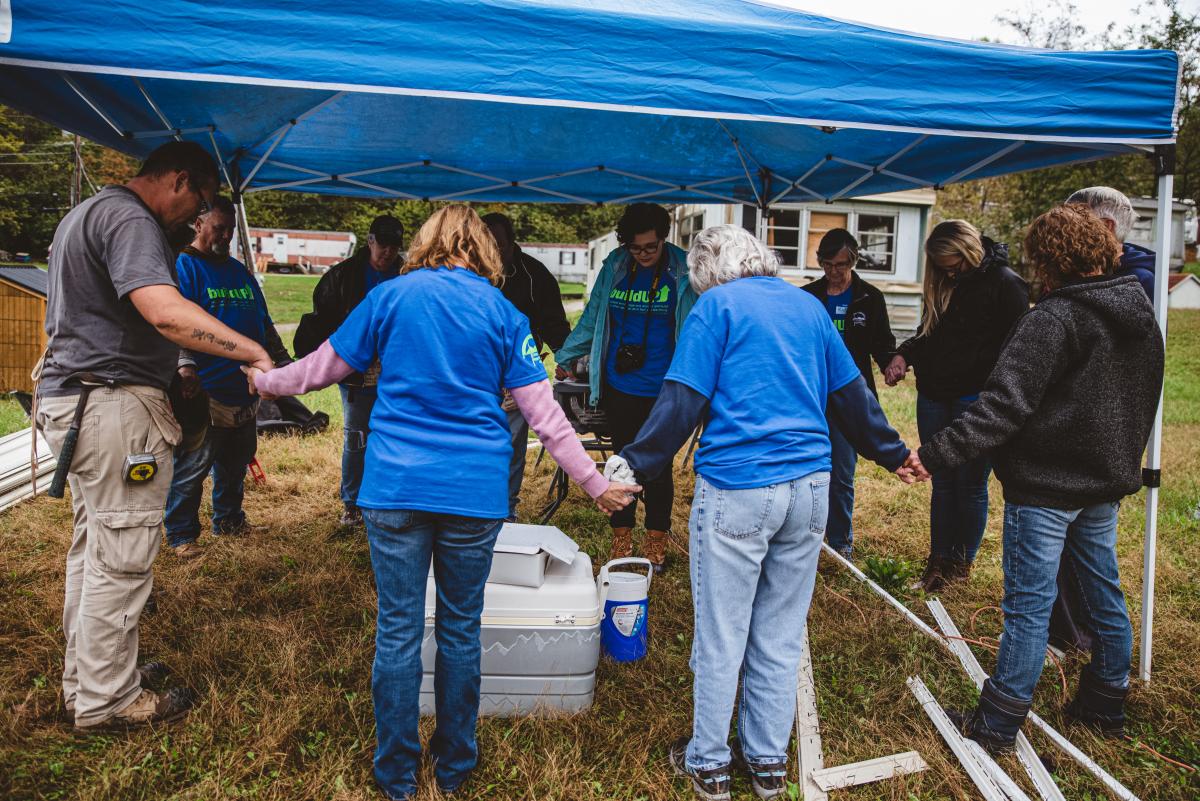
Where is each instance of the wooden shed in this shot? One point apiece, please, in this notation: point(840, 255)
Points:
point(22, 325)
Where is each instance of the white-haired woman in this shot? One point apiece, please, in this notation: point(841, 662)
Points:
point(758, 361)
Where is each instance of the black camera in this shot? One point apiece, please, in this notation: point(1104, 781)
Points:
point(630, 358)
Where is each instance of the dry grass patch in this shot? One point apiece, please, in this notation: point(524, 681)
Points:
point(276, 635)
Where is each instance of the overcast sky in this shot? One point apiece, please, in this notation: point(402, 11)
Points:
point(965, 20)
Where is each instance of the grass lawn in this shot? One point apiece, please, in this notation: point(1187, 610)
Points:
point(289, 296)
point(571, 290)
point(275, 633)
point(12, 416)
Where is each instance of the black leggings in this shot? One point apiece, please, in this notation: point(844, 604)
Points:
point(626, 415)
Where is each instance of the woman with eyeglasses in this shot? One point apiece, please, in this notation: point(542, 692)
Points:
point(627, 332)
point(971, 300)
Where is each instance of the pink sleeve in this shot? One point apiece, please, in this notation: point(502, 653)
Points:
point(317, 370)
point(536, 402)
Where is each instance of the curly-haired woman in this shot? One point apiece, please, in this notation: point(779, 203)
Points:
point(1064, 416)
point(628, 330)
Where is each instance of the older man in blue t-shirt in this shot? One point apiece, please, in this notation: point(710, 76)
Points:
point(223, 287)
point(758, 362)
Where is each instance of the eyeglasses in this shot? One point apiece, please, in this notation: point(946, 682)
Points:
point(205, 208)
point(835, 265)
point(644, 250)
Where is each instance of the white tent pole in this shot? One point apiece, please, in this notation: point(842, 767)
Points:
point(1152, 473)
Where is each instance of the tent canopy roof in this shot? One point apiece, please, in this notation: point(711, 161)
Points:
point(572, 100)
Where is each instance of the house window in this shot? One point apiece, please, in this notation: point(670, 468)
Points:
point(876, 234)
point(566, 258)
point(689, 226)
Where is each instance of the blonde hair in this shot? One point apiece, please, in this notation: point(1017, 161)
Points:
point(455, 236)
point(950, 239)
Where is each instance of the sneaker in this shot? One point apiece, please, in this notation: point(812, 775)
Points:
point(768, 779)
point(708, 785)
point(189, 550)
point(148, 709)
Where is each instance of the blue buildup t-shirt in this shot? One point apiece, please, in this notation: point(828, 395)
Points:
point(226, 290)
point(837, 305)
point(766, 355)
point(449, 342)
point(627, 326)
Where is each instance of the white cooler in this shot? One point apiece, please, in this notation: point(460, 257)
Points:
point(540, 644)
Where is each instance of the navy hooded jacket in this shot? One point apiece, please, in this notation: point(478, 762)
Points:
point(1138, 262)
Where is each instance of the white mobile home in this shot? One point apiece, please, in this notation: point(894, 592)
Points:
point(890, 228)
point(301, 251)
point(567, 263)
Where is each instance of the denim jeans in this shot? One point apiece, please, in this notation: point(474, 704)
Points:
point(516, 468)
point(226, 452)
point(840, 531)
point(356, 425)
point(753, 565)
point(1035, 539)
point(958, 507)
point(402, 544)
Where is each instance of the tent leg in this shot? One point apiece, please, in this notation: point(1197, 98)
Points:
point(1151, 475)
point(243, 227)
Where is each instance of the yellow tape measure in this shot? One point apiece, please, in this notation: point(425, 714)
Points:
point(140, 467)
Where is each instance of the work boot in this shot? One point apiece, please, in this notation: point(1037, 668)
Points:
point(351, 516)
point(148, 709)
point(995, 721)
point(1098, 705)
point(655, 548)
point(189, 550)
point(955, 570)
point(149, 674)
point(933, 579)
point(622, 543)
point(767, 779)
point(240, 528)
point(708, 785)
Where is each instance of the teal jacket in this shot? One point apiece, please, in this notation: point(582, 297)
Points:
point(591, 333)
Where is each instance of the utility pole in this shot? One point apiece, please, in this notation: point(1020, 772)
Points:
point(77, 173)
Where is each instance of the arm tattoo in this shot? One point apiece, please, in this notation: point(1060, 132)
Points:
point(208, 336)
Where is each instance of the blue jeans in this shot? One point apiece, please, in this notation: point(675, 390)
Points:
point(1035, 539)
point(226, 452)
point(753, 565)
point(840, 531)
point(356, 425)
point(402, 544)
point(958, 508)
point(516, 468)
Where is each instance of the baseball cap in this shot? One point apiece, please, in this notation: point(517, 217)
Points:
point(387, 230)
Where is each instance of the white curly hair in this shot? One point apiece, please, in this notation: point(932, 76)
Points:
point(726, 253)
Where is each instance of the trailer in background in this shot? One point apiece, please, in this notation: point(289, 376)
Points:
point(285, 250)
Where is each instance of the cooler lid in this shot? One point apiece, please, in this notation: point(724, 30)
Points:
point(567, 597)
point(529, 539)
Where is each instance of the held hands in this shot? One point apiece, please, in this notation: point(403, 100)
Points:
point(189, 381)
point(894, 373)
point(560, 374)
point(617, 497)
point(252, 372)
point(912, 470)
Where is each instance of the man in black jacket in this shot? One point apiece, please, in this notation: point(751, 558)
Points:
point(859, 311)
point(1065, 416)
point(337, 293)
point(530, 287)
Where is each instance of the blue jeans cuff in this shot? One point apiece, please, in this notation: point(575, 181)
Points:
point(186, 538)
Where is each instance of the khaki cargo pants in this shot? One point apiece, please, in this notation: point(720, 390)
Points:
point(115, 540)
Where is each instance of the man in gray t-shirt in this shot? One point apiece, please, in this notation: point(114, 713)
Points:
point(116, 322)
point(105, 248)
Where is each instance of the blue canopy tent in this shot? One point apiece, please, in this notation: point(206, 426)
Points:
point(590, 101)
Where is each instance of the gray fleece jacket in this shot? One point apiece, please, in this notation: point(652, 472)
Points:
point(1067, 410)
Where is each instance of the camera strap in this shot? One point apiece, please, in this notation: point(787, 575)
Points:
point(649, 301)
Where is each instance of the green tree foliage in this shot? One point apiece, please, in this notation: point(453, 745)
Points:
point(1003, 207)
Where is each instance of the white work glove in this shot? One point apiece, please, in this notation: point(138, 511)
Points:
point(618, 471)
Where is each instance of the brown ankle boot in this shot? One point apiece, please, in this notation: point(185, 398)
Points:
point(622, 543)
point(655, 548)
point(956, 570)
point(934, 577)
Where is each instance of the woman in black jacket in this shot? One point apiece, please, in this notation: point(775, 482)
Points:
point(971, 300)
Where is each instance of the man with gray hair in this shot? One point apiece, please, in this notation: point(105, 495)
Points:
point(1117, 212)
point(758, 362)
